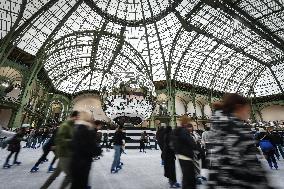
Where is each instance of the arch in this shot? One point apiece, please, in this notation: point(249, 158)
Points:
point(273, 113)
point(180, 106)
point(207, 111)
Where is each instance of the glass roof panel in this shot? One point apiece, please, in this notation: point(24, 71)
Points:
point(200, 44)
point(266, 84)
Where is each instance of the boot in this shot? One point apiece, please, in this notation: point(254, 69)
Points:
point(6, 166)
point(51, 169)
point(17, 163)
point(175, 185)
point(34, 169)
point(113, 171)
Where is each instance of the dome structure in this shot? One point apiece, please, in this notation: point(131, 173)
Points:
point(228, 46)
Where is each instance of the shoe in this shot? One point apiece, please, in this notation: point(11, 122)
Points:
point(51, 169)
point(34, 169)
point(121, 163)
point(175, 185)
point(276, 167)
point(118, 167)
point(113, 171)
point(198, 181)
point(203, 178)
point(45, 160)
point(17, 163)
point(6, 166)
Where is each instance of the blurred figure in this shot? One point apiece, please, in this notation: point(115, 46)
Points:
point(47, 147)
point(159, 137)
point(184, 146)
point(205, 145)
point(64, 151)
point(276, 141)
point(106, 140)
point(155, 143)
point(84, 149)
point(268, 149)
point(233, 161)
point(169, 159)
point(5, 136)
point(14, 146)
point(143, 141)
point(148, 141)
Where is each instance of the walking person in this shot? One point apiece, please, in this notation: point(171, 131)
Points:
point(233, 161)
point(184, 146)
point(106, 141)
point(63, 150)
point(268, 149)
point(276, 141)
point(142, 141)
point(160, 137)
point(169, 159)
point(85, 147)
point(14, 146)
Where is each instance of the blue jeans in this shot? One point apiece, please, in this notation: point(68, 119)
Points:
point(117, 153)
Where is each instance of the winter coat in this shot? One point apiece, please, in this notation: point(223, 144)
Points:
point(183, 142)
point(15, 143)
point(63, 139)
point(233, 162)
point(118, 138)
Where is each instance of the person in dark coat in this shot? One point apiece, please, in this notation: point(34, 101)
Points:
point(14, 146)
point(159, 137)
point(233, 161)
point(276, 141)
point(169, 159)
point(84, 149)
point(184, 146)
point(47, 147)
point(118, 138)
point(143, 141)
point(268, 149)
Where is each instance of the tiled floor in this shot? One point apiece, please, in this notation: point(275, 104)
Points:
point(141, 171)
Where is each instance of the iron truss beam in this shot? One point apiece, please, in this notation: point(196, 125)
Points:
point(147, 41)
point(7, 39)
point(60, 24)
point(115, 54)
point(133, 23)
point(203, 62)
point(183, 53)
point(195, 9)
point(228, 7)
point(95, 46)
point(160, 45)
point(276, 79)
point(190, 27)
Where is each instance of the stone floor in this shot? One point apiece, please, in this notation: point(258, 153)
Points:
point(141, 171)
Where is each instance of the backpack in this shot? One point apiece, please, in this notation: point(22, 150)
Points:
point(265, 145)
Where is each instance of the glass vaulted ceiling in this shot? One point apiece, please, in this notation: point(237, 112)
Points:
point(226, 45)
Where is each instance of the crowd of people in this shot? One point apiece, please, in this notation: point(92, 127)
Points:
point(229, 149)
